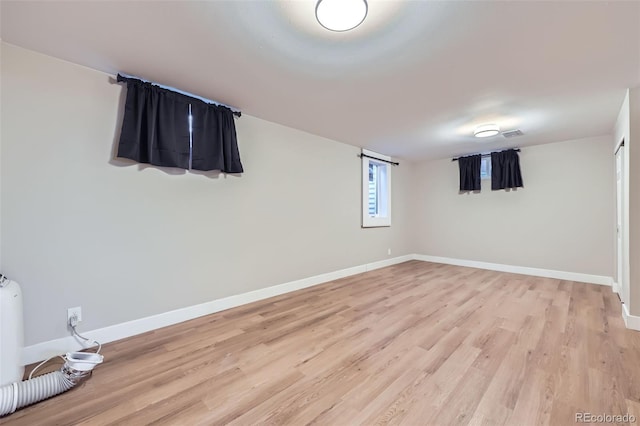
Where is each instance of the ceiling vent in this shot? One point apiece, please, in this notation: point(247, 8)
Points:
point(512, 133)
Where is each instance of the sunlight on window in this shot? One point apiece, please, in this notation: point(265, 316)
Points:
point(485, 168)
point(376, 191)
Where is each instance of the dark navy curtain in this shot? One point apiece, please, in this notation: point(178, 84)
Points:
point(470, 172)
point(215, 146)
point(155, 130)
point(155, 127)
point(505, 170)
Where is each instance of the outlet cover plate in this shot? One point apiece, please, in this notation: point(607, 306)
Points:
point(74, 311)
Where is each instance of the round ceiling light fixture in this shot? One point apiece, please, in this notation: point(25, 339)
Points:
point(341, 15)
point(486, 130)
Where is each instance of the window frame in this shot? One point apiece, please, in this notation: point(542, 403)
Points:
point(485, 160)
point(383, 192)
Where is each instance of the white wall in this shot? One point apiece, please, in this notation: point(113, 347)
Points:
point(561, 220)
point(632, 151)
point(125, 241)
point(1, 59)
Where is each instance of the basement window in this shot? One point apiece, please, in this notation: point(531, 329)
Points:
point(485, 168)
point(376, 190)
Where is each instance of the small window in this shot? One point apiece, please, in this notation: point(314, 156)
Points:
point(485, 168)
point(376, 190)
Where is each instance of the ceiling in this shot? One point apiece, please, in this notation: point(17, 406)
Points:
point(412, 81)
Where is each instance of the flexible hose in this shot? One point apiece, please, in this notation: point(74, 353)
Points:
point(18, 395)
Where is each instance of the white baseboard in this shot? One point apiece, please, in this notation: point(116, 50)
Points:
point(546, 273)
point(615, 287)
point(40, 351)
point(630, 321)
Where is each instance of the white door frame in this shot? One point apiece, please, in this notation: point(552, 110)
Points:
point(621, 286)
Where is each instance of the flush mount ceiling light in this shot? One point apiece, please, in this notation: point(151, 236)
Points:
point(341, 15)
point(486, 130)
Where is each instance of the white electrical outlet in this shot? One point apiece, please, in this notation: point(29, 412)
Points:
point(389, 252)
point(77, 312)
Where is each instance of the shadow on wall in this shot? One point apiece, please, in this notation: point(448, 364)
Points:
point(494, 190)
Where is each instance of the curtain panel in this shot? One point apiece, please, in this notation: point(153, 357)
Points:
point(505, 170)
point(156, 130)
point(470, 172)
point(215, 146)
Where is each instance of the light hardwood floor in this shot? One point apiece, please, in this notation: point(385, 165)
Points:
point(417, 343)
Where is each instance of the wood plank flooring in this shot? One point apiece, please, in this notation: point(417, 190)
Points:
point(417, 344)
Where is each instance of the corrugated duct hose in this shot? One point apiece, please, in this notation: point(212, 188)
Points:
point(77, 368)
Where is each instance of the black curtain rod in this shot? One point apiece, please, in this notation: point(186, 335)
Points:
point(121, 78)
point(485, 155)
point(379, 159)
